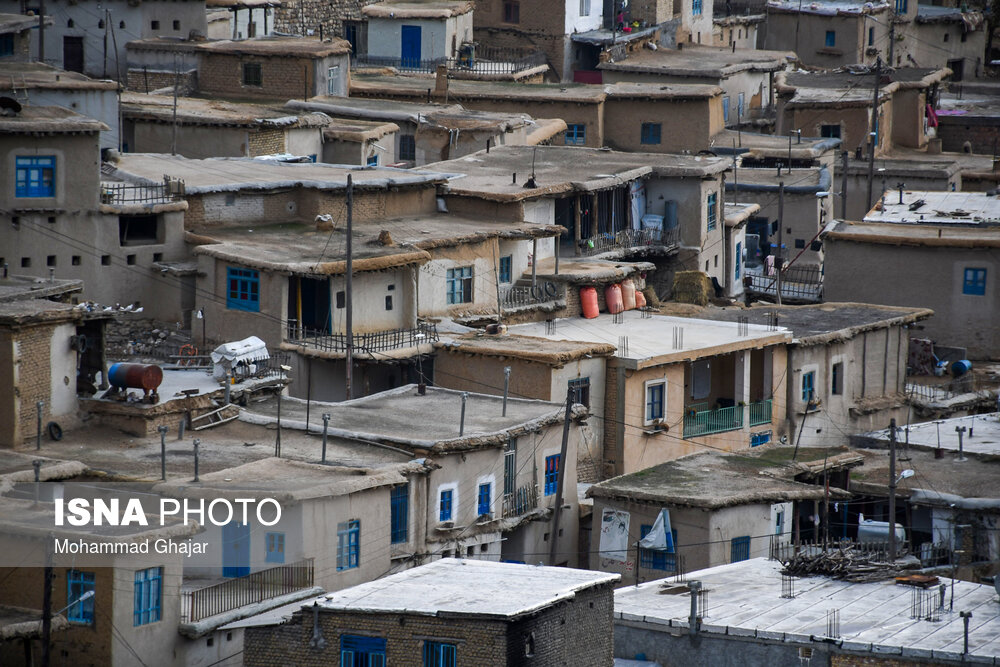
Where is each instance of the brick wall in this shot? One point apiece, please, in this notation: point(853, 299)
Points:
point(267, 142)
point(840, 660)
point(612, 457)
point(31, 366)
point(578, 633)
point(281, 77)
point(982, 132)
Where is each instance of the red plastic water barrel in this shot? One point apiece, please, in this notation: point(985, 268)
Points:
point(613, 297)
point(135, 376)
point(588, 299)
point(640, 299)
point(628, 294)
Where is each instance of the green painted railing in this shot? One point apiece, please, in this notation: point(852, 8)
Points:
point(760, 412)
point(704, 422)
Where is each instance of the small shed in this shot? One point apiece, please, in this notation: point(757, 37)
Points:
point(418, 33)
point(239, 358)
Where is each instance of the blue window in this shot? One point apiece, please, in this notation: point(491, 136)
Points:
point(650, 133)
point(275, 547)
point(740, 106)
point(358, 651)
point(348, 544)
point(505, 268)
point(696, 7)
point(581, 390)
point(975, 282)
point(713, 210)
point(444, 507)
point(654, 559)
point(148, 591)
point(737, 260)
point(485, 491)
point(36, 176)
point(739, 549)
point(576, 134)
point(373, 161)
point(871, 36)
point(758, 439)
point(654, 401)
point(831, 38)
point(78, 584)
point(459, 285)
point(6, 45)
point(725, 109)
point(808, 386)
point(902, 6)
point(399, 503)
point(439, 654)
point(551, 474)
point(244, 289)
point(779, 522)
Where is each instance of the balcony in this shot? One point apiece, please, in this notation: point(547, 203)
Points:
point(201, 603)
point(525, 296)
point(701, 421)
point(799, 284)
point(630, 238)
point(760, 413)
point(520, 501)
point(364, 343)
point(487, 61)
point(137, 194)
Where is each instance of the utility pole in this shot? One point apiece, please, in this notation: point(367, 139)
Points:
point(892, 37)
point(554, 536)
point(873, 130)
point(41, 31)
point(892, 490)
point(177, 83)
point(348, 278)
point(844, 157)
point(779, 261)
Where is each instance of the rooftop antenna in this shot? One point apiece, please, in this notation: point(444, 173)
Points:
point(530, 183)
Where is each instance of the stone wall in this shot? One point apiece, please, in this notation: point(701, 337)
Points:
point(298, 17)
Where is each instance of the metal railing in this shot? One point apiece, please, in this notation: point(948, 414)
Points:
point(241, 591)
point(930, 393)
point(760, 412)
point(798, 282)
point(476, 63)
point(523, 499)
point(526, 295)
point(124, 194)
point(377, 341)
point(630, 238)
point(870, 551)
point(706, 422)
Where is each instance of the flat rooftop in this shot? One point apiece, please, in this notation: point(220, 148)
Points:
point(371, 108)
point(15, 288)
point(467, 588)
point(771, 145)
point(234, 174)
point(802, 180)
point(581, 93)
point(24, 311)
point(648, 341)
point(938, 482)
point(417, 9)
point(564, 169)
point(709, 481)
point(34, 75)
point(736, 213)
point(49, 120)
point(926, 235)
point(528, 348)
point(700, 61)
point(929, 435)
point(198, 111)
point(936, 208)
point(933, 14)
point(826, 7)
point(303, 249)
point(745, 601)
point(300, 47)
point(846, 88)
point(389, 418)
point(819, 323)
point(19, 22)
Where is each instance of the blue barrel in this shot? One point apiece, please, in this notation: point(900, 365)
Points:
point(135, 376)
point(961, 367)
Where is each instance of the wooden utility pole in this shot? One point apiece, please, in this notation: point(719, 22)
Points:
point(554, 536)
point(177, 83)
point(348, 279)
point(873, 130)
point(843, 185)
point(41, 31)
point(892, 490)
point(779, 261)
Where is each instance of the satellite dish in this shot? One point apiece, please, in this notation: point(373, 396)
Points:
point(10, 103)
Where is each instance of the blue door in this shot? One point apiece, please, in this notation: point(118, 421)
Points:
point(235, 549)
point(409, 52)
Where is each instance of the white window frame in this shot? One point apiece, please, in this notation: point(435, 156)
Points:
point(819, 380)
point(584, 7)
point(492, 481)
point(645, 400)
point(453, 486)
point(332, 75)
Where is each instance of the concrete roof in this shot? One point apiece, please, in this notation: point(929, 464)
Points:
point(915, 235)
point(23, 623)
point(736, 213)
point(417, 9)
point(752, 144)
point(802, 180)
point(581, 93)
point(565, 169)
point(300, 47)
point(710, 481)
point(700, 61)
point(452, 587)
point(933, 14)
point(648, 341)
point(850, 87)
point(34, 75)
point(528, 348)
point(235, 174)
point(288, 481)
point(746, 601)
point(985, 441)
point(371, 108)
point(19, 22)
point(827, 7)
point(936, 481)
point(15, 288)
point(903, 167)
point(938, 208)
point(352, 129)
point(49, 120)
point(197, 111)
point(301, 248)
point(818, 324)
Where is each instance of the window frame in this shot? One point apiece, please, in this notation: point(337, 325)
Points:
point(580, 387)
point(446, 504)
point(78, 583)
point(651, 134)
point(35, 176)
point(407, 150)
point(696, 7)
point(649, 416)
point(974, 281)
point(147, 607)
point(6, 45)
point(654, 559)
point(837, 378)
point(512, 12)
point(459, 284)
point(274, 547)
point(484, 508)
point(830, 39)
point(399, 514)
point(712, 210)
point(585, 8)
point(362, 651)
point(739, 549)
point(348, 545)
point(576, 134)
point(830, 130)
point(725, 109)
point(808, 384)
point(252, 75)
point(506, 266)
point(737, 260)
point(246, 294)
point(439, 654)
point(551, 476)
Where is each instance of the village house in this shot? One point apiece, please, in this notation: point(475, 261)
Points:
point(409, 34)
point(908, 233)
point(450, 612)
point(952, 37)
point(741, 30)
point(622, 116)
point(746, 77)
point(201, 129)
point(94, 41)
point(241, 19)
point(719, 508)
point(914, 170)
point(847, 365)
point(43, 85)
point(68, 221)
point(967, 124)
point(15, 37)
point(751, 613)
point(368, 143)
point(831, 34)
